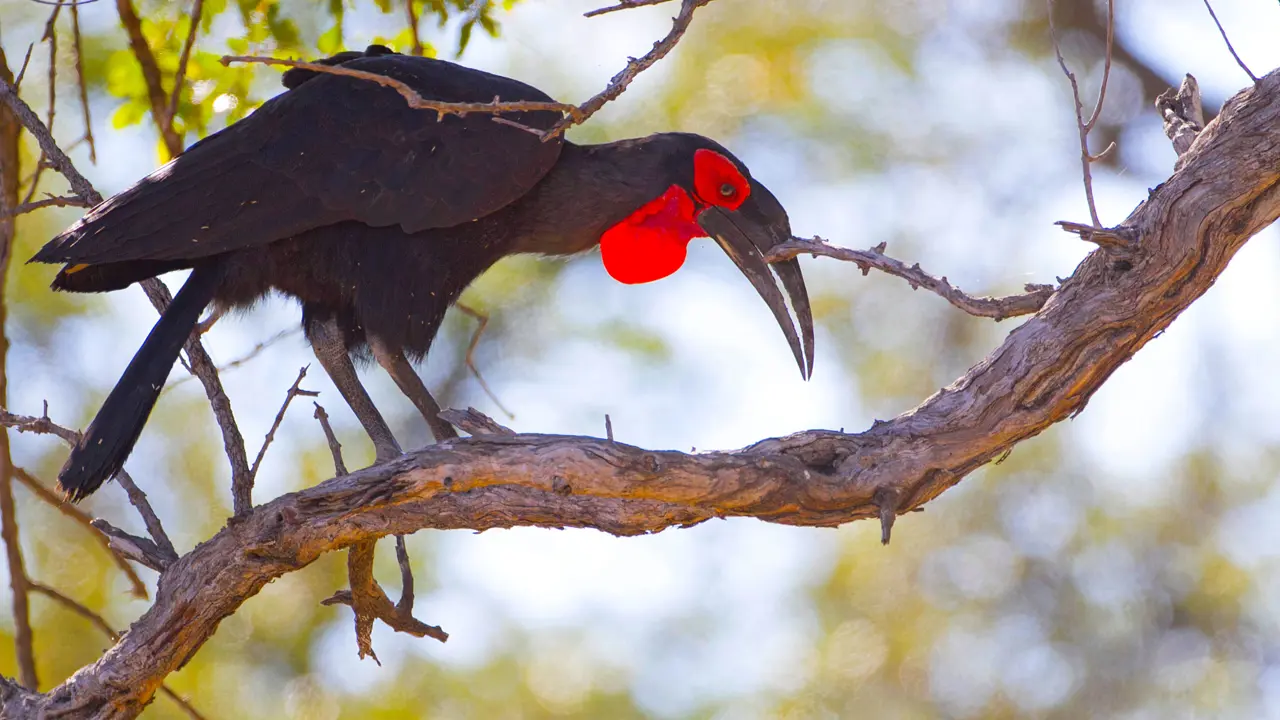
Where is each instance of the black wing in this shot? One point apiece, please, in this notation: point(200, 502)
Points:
point(332, 149)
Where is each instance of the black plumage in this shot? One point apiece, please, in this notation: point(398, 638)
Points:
point(376, 217)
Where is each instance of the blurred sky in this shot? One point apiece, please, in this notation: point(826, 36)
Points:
point(730, 379)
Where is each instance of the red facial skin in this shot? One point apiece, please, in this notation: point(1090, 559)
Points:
point(652, 242)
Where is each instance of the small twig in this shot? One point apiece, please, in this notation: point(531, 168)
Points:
point(608, 427)
point(44, 426)
point(101, 623)
point(201, 365)
point(52, 153)
point(26, 60)
point(474, 422)
point(197, 11)
point(294, 391)
point(82, 86)
point(335, 447)
point(51, 201)
point(483, 319)
point(1183, 115)
point(138, 499)
point(138, 549)
point(38, 488)
point(151, 75)
point(1083, 127)
point(19, 582)
point(997, 308)
point(1227, 40)
point(1117, 238)
point(368, 601)
point(411, 96)
point(243, 359)
point(618, 84)
point(405, 606)
point(623, 5)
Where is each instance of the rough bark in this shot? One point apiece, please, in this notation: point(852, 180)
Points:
point(1045, 371)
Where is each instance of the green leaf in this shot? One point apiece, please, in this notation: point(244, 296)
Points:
point(331, 41)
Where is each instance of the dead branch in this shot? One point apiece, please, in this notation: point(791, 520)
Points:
point(997, 308)
point(483, 320)
point(474, 422)
point(1183, 115)
point(138, 588)
point(623, 5)
point(151, 74)
point(1045, 371)
point(1085, 126)
point(1227, 40)
point(293, 392)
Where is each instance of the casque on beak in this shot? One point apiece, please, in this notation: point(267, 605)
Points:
point(746, 235)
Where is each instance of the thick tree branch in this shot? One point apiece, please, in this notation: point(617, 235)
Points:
point(1045, 371)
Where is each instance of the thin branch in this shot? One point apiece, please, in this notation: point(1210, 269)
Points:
point(201, 365)
point(138, 588)
point(474, 422)
point(1083, 127)
point(51, 35)
point(138, 549)
point(44, 426)
point(243, 359)
point(197, 11)
point(618, 84)
point(151, 75)
point(293, 392)
point(51, 201)
point(10, 158)
point(53, 154)
point(335, 448)
point(411, 96)
point(623, 5)
point(81, 84)
point(1227, 40)
point(101, 623)
point(997, 308)
point(483, 320)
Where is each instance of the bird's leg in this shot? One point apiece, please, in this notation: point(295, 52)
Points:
point(330, 349)
point(401, 370)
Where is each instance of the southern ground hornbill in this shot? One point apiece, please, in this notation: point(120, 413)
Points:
point(376, 217)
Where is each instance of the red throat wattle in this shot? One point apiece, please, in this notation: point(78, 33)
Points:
point(652, 242)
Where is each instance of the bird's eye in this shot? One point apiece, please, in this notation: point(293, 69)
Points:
point(728, 190)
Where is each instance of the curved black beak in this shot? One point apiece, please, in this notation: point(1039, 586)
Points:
point(745, 238)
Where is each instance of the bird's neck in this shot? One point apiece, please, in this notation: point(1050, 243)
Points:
point(591, 189)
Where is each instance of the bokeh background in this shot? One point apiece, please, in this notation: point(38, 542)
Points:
point(1123, 564)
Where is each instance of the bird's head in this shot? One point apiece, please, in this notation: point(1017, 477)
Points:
point(707, 192)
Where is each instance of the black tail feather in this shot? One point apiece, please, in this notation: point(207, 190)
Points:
point(111, 436)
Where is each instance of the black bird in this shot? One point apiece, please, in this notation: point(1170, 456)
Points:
point(376, 217)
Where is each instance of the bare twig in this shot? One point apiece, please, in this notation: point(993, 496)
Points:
point(243, 359)
point(608, 427)
point(151, 74)
point(54, 154)
point(335, 447)
point(101, 623)
point(51, 35)
point(38, 488)
point(201, 365)
point(50, 201)
point(618, 84)
point(294, 391)
point(483, 319)
point(474, 422)
point(138, 549)
point(1183, 115)
point(81, 84)
point(411, 96)
point(1116, 238)
point(368, 601)
point(1083, 126)
point(197, 11)
point(1227, 40)
point(997, 308)
point(44, 426)
point(623, 5)
point(405, 605)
